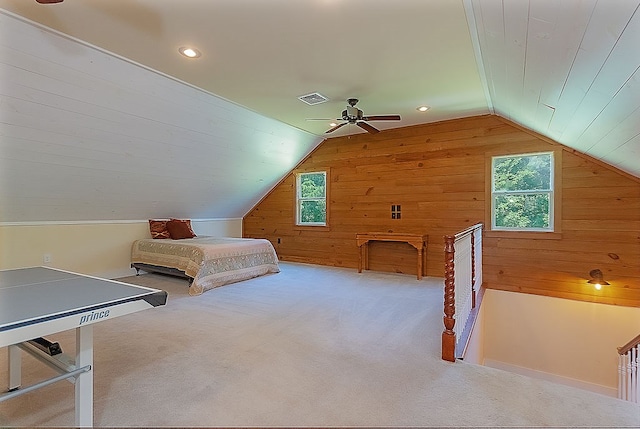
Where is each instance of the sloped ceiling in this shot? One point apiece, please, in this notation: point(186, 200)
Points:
point(86, 136)
point(567, 69)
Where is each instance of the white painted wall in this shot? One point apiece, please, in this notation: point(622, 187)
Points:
point(565, 341)
point(101, 248)
point(475, 348)
point(86, 135)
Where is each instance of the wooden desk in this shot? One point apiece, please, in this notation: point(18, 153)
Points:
point(415, 240)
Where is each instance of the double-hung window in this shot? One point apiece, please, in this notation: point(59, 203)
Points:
point(311, 198)
point(522, 192)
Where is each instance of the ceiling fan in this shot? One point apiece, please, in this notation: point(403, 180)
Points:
point(353, 115)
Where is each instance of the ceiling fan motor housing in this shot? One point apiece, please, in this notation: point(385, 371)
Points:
point(352, 114)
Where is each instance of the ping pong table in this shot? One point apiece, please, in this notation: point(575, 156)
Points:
point(40, 301)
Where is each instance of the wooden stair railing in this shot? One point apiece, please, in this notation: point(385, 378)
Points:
point(460, 289)
point(628, 362)
point(448, 336)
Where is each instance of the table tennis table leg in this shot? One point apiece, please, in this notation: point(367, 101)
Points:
point(15, 367)
point(84, 381)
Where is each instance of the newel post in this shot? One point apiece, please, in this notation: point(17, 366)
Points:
point(448, 336)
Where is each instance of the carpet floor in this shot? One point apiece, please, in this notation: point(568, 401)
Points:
point(309, 346)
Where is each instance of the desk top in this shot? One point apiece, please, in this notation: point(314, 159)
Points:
point(32, 297)
point(362, 238)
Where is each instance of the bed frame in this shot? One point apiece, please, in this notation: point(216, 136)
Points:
point(162, 270)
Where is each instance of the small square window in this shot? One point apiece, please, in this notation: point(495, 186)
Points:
point(395, 211)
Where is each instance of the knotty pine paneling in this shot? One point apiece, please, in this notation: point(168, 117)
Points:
point(437, 173)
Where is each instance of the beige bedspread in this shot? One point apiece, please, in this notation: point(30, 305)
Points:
point(210, 261)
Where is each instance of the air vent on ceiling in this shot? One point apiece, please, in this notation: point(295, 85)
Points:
point(314, 98)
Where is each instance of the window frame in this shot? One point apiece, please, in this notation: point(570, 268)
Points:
point(298, 174)
point(555, 203)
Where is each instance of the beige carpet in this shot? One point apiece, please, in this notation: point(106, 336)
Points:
point(310, 346)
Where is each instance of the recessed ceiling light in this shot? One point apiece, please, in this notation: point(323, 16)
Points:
point(423, 108)
point(333, 124)
point(189, 52)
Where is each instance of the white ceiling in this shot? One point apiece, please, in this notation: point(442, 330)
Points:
point(568, 69)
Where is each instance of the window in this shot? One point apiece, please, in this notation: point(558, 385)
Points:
point(522, 192)
point(311, 198)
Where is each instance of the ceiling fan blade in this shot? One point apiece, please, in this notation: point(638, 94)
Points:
point(368, 127)
point(48, 1)
point(330, 130)
point(323, 119)
point(381, 118)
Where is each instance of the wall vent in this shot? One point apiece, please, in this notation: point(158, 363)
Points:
point(313, 98)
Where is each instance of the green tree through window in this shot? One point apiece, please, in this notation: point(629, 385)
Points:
point(312, 198)
point(522, 192)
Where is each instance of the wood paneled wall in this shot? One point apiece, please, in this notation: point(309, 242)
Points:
point(437, 173)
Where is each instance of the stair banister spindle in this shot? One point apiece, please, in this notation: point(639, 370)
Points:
point(622, 376)
point(634, 375)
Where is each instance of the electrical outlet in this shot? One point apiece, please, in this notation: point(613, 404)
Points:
point(46, 258)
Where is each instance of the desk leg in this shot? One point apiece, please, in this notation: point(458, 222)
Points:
point(366, 255)
point(424, 260)
point(84, 381)
point(360, 250)
point(420, 264)
point(15, 367)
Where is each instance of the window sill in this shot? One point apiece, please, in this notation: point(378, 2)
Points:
point(530, 235)
point(311, 228)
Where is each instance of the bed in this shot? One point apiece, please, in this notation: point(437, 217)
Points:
point(209, 261)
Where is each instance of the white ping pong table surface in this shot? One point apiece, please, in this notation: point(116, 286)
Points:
point(41, 301)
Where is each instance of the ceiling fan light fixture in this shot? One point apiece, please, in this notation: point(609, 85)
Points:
point(189, 52)
point(422, 108)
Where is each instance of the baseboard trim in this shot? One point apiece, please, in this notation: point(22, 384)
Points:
point(559, 379)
